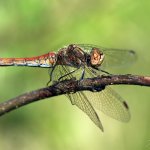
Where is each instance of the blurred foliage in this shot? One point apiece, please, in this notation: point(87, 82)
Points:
point(34, 27)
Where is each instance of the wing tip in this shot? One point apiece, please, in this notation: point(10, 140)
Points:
point(102, 129)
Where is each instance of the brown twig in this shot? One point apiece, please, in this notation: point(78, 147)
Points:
point(72, 85)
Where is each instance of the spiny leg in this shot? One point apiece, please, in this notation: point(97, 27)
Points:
point(67, 74)
point(83, 73)
point(105, 72)
point(50, 77)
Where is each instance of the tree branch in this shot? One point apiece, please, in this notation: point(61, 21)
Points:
point(72, 85)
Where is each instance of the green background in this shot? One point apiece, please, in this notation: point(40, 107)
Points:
point(35, 27)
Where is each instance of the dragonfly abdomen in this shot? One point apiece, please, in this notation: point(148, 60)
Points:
point(46, 60)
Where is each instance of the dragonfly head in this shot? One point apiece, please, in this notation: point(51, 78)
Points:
point(96, 57)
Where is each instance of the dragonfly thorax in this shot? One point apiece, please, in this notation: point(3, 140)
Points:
point(71, 55)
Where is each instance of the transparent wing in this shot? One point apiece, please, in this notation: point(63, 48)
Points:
point(64, 72)
point(107, 100)
point(57, 72)
point(113, 57)
point(110, 103)
point(80, 100)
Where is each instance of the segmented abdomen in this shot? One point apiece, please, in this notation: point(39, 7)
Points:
point(46, 60)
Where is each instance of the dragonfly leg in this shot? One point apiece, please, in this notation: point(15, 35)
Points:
point(67, 74)
point(83, 73)
point(105, 72)
point(51, 73)
point(93, 72)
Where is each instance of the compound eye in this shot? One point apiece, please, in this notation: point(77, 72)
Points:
point(96, 57)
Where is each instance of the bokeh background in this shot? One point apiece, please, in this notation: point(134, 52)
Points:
point(34, 27)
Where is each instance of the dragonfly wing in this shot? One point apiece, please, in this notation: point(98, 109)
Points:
point(110, 103)
point(118, 57)
point(80, 100)
point(113, 57)
point(63, 72)
point(107, 100)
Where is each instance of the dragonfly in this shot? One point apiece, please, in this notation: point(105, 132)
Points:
point(84, 61)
